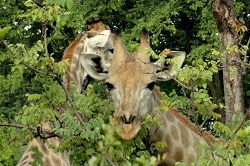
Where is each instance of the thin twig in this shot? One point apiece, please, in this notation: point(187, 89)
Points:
point(248, 42)
point(39, 71)
point(204, 121)
point(239, 125)
point(45, 36)
point(39, 131)
point(207, 140)
point(110, 161)
point(183, 85)
point(24, 126)
point(69, 98)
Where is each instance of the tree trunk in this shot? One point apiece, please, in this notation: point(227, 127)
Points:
point(227, 22)
point(217, 94)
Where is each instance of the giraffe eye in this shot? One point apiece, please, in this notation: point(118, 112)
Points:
point(151, 85)
point(109, 86)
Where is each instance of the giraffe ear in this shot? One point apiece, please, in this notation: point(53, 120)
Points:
point(95, 65)
point(168, 68)
point(97, 54)
point(101, 40)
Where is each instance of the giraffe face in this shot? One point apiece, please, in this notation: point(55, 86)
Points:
point(131, 87)
point(131, 79)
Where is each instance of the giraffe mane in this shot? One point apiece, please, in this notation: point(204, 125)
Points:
point(185, 121)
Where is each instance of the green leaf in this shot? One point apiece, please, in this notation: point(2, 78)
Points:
point(90, 151)
point(85, 134)
point(29, 3)
point(4, 30)
point(69, 4)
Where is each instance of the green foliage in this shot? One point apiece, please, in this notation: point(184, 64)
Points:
point(29, 97)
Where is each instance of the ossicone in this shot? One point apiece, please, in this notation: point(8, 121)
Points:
point(144, 32)
point(93, 20)
point(117, 31)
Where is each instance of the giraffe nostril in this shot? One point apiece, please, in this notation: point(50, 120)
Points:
point(127, 120)
point(132, 119)
point(123, 119)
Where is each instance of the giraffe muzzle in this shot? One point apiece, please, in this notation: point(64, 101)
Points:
point(128, 126)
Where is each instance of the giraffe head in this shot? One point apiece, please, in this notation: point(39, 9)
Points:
point(96, 24)
point(131, 80)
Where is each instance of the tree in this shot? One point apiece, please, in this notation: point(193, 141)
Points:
point(229, 29)
point(34, 35)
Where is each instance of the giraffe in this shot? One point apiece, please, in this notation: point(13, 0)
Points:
point(131, 82)
point(97, 47)
point(94, 45)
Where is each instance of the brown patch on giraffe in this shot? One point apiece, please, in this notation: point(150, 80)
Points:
point(168, 142)
point(174, 132)
point(24, 158)
point(47, 162)
point(178, 156)
point(56, 160)
point(184, 135)
point(186, 122)
point(30, 162)
point(159, 135)
point(44, 149)
point(190, 158)
point(52, 141)
point(32, 155)
point(24, 163)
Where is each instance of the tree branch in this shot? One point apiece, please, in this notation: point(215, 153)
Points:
point(240, 124)
point(45, 36)
point(57, 79)
point(110, 161)
point(27, 65)
point(37, 3)
point(69, 98)
point(31, 128)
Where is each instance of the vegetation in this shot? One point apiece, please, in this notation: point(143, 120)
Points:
point(34, 34)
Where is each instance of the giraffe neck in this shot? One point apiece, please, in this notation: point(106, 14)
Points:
point(48, 155)
point(177, 132)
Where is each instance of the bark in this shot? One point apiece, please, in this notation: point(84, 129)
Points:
point(227, 22)
point(217, 93)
